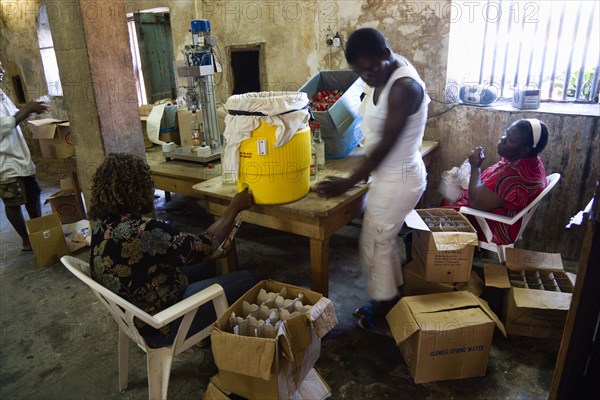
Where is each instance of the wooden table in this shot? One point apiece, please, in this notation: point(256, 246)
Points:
point(178, 176)
point(312, 216)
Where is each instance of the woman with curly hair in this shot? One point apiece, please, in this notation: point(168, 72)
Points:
point(148, 262)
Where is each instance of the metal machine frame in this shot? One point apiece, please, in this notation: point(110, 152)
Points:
point(199, 67)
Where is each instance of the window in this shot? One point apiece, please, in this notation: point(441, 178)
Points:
point(47, 53)
point(548, 45)
point(151, 45)
point(138, 74)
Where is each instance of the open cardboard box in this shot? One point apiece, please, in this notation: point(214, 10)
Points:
point(262, 368)
point(444, 336)
point(538, 294)
point(77, 235)
point(415, 283)
point(47, 239)
point(443, 244)
point(54, 136)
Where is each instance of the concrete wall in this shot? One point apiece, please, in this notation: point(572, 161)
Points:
point(293, 37)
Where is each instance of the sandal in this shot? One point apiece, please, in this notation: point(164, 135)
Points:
point(377, 324)
point(373, 310)
point(376, 308)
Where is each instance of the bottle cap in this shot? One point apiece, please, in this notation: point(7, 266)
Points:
point(317, 125)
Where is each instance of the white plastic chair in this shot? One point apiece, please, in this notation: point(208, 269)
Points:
point(158, 360)
point(526, 214)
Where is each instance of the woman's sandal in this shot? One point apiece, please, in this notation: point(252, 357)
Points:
point(375, 324)
point(368, 311)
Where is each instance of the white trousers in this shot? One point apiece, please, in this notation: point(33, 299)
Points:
point(391, 196)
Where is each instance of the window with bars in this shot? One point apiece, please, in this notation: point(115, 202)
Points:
point(548, 45)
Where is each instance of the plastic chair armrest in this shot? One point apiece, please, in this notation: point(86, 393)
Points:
point(184, 306)
point(491, 216)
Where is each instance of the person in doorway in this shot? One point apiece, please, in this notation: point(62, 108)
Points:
point(394, 116)
point(148, 262)
point(508, 186)
point(18, 185)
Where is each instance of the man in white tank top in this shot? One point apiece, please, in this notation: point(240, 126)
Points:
point(394, 117)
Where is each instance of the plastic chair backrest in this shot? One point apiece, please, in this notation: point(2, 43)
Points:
point(122, 310)
point(528, 211)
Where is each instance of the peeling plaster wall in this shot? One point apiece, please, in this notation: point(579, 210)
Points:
point(294, 32)
point(19, 45)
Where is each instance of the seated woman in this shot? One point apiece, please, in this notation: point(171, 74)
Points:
point(508, 186)
point(148, 262)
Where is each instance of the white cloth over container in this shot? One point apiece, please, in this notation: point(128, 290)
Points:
point(287, 111)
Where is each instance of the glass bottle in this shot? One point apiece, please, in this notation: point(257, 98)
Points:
point(313, 160)
point(320, 145)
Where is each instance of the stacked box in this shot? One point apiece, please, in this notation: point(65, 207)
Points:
point(340, 123)
point(443, 244)
point(538, 293)
point(265, 368)
point(416, 284)
point(67, 203)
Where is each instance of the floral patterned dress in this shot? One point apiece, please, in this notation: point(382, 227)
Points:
point(140, 259)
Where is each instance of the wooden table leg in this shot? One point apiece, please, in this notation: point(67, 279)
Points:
point(319, 265)
point(167, 196)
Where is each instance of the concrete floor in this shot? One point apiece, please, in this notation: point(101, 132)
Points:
point(58, 342)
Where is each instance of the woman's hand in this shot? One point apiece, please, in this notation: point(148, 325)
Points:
point(242, 200)
point(476, 157)
point(333, 186)
point(223, 226)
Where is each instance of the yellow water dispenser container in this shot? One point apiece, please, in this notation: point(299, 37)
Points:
point(275, 175)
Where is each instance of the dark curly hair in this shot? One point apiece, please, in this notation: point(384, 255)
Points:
point(122, 184)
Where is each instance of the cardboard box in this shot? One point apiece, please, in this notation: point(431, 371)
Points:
point(538, 294)
point(313, 387)
point(443, 244)
point(261, 368)
point(340, 128)
point(47, 239)
point(415, 283)
point(184, 125)
point(444, 336)
point(66, 203)
point(77, 235)
point(54, 136)
point(144, 112)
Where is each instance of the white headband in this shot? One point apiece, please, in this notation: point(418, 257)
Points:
point(536, 127)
